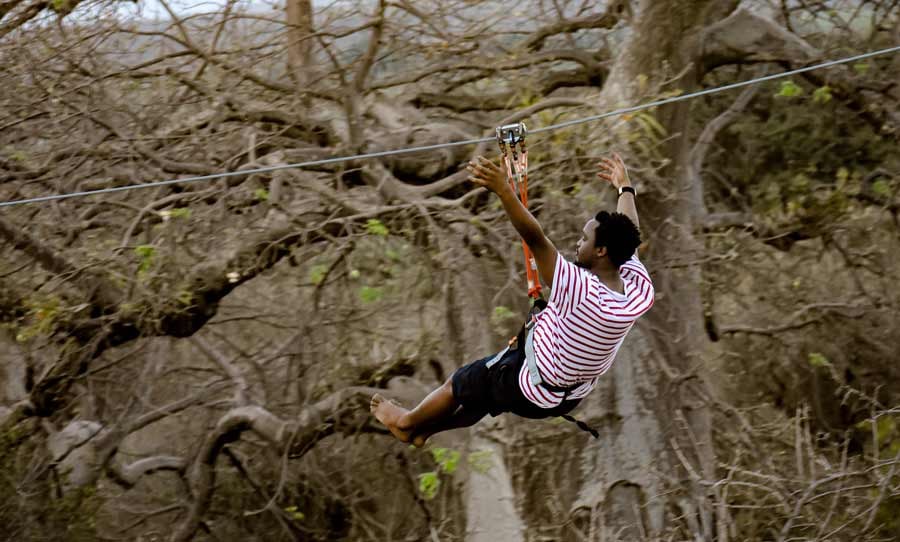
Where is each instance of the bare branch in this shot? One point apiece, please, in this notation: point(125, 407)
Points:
point(97, 289)
point(796, 320)
point(343, 411)
point(601, 20)
point(241, 388)
point(128, 476)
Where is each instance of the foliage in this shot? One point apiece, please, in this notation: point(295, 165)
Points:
point(376, 227)
point(146, 255)
point(317, 273)
point(429, 483)
point(789, 89)
point(43, 314)
point(446, 459)
point(370, 294)
point(818, 360)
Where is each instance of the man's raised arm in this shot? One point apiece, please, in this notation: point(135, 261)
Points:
point(613, 171)
point(485, 173)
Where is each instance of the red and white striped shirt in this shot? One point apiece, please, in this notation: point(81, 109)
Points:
point(577, 336)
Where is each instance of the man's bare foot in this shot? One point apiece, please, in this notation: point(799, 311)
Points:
point(389, 413)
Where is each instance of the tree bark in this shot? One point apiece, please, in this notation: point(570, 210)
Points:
point(300, 41)
point(650, 408)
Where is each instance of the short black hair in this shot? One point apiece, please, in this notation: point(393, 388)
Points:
point(618, 234)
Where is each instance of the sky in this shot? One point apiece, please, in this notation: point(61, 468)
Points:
point(153, 9)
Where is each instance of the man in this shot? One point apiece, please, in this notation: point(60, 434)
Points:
point(557, 361)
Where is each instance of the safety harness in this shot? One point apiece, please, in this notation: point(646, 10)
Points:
point(511, 139)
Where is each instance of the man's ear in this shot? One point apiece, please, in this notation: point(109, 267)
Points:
point(600, 251)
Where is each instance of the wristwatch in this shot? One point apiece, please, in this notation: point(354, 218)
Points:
point(623, 189)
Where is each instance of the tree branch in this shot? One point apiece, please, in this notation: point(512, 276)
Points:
point(744, 37)
point(568, 26)
point(796, 320)
point(747, 38)
point(344, 411)
point(97, 289)
point(128, 476)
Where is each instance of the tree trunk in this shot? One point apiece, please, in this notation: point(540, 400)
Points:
point(300, 41)
point(650, 408)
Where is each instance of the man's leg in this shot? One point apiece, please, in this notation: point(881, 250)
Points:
point(439, 404)
point(463, 417)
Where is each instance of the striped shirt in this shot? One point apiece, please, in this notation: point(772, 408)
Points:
point(577, 336)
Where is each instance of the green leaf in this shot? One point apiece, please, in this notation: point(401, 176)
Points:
point(294, 513)
point(376, 227)
point(818, 360)
point(789, 89)
point(448, 460)
point(822, 95)
point(180, 212)
point(261, 194)
point(317, 273)
point(429, 483)
point(861, 67)
point(146, 254)
point(370, 294)
point(881, 187)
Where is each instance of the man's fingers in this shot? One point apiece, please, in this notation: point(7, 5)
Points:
point(487, 164)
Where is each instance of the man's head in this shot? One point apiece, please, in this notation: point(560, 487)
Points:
point(607, 235)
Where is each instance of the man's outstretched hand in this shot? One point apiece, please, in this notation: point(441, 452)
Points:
point(485, 173)
point(612, 170)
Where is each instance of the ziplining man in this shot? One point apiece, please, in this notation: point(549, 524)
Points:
point(558, 357)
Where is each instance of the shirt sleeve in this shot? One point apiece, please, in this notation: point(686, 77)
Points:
point(641, 292)
point(570, 285)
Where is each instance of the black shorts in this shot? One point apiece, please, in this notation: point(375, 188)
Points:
point(496, 390)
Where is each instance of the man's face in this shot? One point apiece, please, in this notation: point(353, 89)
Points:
point(585, 249)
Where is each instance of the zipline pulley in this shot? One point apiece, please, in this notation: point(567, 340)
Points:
point(511, 139)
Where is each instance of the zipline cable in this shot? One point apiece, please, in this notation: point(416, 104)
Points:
point(395, 152)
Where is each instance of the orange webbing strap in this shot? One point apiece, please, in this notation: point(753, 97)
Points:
point(517, 176)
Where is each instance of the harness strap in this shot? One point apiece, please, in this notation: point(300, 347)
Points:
point(534, 374)
point(536, 379)
point(581, 425)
